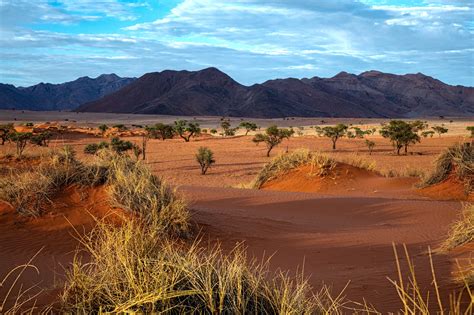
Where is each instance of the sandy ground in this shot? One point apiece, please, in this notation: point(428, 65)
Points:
point(339, 235)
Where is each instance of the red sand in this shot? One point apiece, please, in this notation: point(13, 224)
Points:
point(336, 238)
point(343, 180)
point(52, 237)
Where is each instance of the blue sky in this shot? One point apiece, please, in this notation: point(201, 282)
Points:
point(251, 40)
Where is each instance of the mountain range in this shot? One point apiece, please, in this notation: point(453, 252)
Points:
point(210, 92)
point(64, 96)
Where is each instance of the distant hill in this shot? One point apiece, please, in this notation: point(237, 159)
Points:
point(212, 92)
point(69, 95)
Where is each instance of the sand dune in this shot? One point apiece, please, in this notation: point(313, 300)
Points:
point(336, 238)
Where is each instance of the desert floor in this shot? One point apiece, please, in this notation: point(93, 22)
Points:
point(341, 235)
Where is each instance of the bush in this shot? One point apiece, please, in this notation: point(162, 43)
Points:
point(461, 231)
point(459, 159)
point(120, 127)
point(94, 148)
point(119, 146)
point(103, 128)
point(133, 187)
point(321, 164)
point(370, 145)
point(134, 269)
point(41, 139)
point(205, 158)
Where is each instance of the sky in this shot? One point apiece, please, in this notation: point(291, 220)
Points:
point(251, 40)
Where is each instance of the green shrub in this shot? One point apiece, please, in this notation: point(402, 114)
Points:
point(205, 158)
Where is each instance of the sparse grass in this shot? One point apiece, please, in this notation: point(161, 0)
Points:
point(321, 165)
point(132, 186)
point(133, 268)
point(415, 301)
point(462, 230)
point(31, 191)
point(360, 162)
point(458, 159)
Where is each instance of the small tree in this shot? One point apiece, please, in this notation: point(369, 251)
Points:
point(41, 139)
point(439, 130)
point(186, 130)
point(213, 131)
point(120, 146)
point(427, 133)
point(370, 145)
point(471, 129)
point(334, 133)
point(205, 158)
point(103, 128)
point(162, 131)
point(93, 148)
point(272, 137)
point(400, 133)
point(248, 126)
point(5, 131)
point(21, 140)
point(227, 129)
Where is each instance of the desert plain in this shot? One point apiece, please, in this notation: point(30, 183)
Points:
point(339, 231)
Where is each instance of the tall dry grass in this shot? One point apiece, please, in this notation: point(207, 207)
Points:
point(134, 268)
point(458, 159)
point(321, 165)
point(30, 192)
point(462, 230)
point(133, 187)
point(415, 301)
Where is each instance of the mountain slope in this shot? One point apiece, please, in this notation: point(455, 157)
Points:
point(69, 95)
point(212, 92)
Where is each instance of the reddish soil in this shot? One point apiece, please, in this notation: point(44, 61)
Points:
point(341, 231)
point(449, 189)
point(52, 237)
point(335, 239)
point(344, 179)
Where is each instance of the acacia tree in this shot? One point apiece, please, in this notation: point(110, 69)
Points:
point(21, 140)
point(439, 130)
point(334, 133)
point(401, 134)
point(205, 158)
point(227, 129)
point(248, 126)
point(272, 137)
point(5, 130)
point(186, 130)
point(41, 139)
point(162, 131)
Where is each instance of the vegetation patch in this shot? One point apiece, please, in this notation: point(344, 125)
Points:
point(321, 165)
point(134, 269)
point(458, 160)
point(462, 230)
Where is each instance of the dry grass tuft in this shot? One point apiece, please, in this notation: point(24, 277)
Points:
point(30, 192)
point(415, 301)
point(321, 165)
point(458, 159)
point(462, 230)
point(132, 186)
point(133, 268)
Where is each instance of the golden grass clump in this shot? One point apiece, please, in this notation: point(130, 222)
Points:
point(462, 230)
point(133, 268)
point(415, 301)
point(132, 186)
point(321, 165)
point(458, 159)
point(30, 192)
